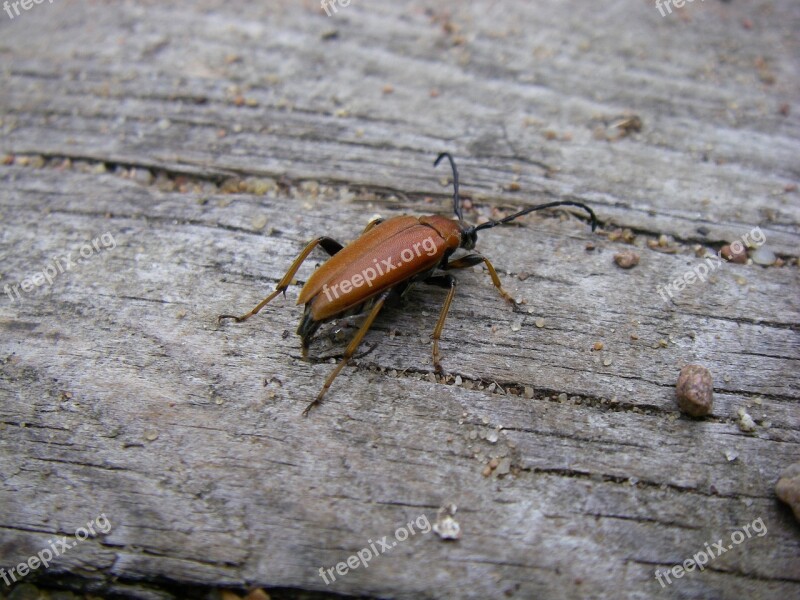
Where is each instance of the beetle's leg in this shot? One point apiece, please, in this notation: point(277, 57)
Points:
point(473, 259)
point(351, 348)
point(330, 246)
point(372, 224)
point(445, 281)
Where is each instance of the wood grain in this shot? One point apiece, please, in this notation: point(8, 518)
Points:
point(210, 141)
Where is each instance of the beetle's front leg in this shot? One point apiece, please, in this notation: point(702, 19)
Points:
point(330, 246)
point(445, 281)
point(474, 259)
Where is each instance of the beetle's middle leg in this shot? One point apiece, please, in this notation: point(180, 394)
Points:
point(445, 281)
point(470, 260)
point(351, 348)
point(330, 246)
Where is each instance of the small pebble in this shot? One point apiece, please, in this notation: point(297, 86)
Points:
point(528, 392)
point(142, 176)
point(504, 467)
point(607, 362)
point(731, 455)
point(764, 256)
point(539, 323)
point(627, 259)
point(446, 527)
point(746, 422)
point(597, 346)
point(788, 488)
point(259, 222)
point(735, 253)
point(695, 390)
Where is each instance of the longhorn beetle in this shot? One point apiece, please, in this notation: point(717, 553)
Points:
point(382, 265)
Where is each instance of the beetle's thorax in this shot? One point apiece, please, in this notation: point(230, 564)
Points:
point(451, 230)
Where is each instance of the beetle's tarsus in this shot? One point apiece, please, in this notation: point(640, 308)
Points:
point(310, 406)
point(234, 317)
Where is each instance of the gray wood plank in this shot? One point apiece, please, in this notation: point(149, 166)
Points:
point(211, 142)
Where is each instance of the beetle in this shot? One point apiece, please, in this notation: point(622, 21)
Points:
point(381, 265)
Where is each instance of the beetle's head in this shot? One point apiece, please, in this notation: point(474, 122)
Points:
point(468, 237)
point(469, 232)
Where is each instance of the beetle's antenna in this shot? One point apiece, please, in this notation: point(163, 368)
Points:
point(456, 197)
point(490, 224)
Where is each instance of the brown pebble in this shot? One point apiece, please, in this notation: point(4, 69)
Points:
point(597, 346)
point(626, 259)
point(590, 246)
point(788, 488)
point(735, 253)
point(695, 391)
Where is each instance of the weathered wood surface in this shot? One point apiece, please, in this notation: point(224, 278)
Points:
point(267, 125)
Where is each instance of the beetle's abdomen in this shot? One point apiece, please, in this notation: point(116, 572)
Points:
point(407, 252)
point(345, 256)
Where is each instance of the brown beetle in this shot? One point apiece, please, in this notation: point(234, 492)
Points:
point(382, 264)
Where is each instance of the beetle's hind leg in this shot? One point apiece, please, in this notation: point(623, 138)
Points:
point(445, 281)
point(470, 260)
point(330, 246)
point(351, 348)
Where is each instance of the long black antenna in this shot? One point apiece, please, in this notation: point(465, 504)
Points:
point(490, 224)
point(456, 197)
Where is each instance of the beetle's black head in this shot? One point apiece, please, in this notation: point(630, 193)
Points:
point(468, 238)
point(468, 232)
